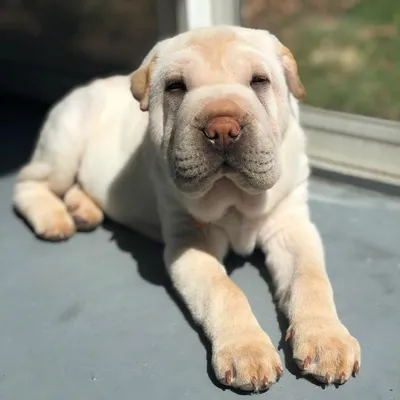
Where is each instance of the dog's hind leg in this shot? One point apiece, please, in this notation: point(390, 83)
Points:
point(52, 170)
point(86, 214)
point(40, 206)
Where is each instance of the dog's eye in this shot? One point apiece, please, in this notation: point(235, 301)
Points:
point(176, 86)
point(258, 80)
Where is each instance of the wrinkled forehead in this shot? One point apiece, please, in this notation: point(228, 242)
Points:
point(219, 57)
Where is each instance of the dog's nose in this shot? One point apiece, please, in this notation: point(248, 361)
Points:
point(223, 131)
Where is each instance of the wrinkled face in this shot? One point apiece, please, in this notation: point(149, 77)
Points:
point(219, 103)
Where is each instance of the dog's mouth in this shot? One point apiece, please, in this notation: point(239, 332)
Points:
point(226, 168)
point(199, 178)
point(195, 164)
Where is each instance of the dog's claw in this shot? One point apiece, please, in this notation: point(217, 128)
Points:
point(265, 383)
point(279, 372)
point(342, 378)
point(356, 369)
point(289, 335)
point(328, 378)
point(228, 377)
point(254, 383)
point(307, 362)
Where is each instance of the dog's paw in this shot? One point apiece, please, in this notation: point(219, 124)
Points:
point(324, 349)
point(85, 213)
point(85, 216)
point(247, 362)
point(54, 225)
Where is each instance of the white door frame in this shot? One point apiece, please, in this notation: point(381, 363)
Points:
point(200, 13)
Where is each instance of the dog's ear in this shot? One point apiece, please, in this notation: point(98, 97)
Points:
point(291, 72)
point(140, 79)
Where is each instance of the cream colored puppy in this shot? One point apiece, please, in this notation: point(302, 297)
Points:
point(217, 162)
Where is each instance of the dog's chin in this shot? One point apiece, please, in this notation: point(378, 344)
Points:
point(252, 184)
point(196, 188)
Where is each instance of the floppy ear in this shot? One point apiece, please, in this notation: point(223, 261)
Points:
point(140, 82)
point(140, 79)
point(291, 72)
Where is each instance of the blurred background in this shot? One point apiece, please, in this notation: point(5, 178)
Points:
point(49, 46)
point(348, 53)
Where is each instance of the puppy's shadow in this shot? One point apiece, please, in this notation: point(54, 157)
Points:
point(149, 258)
point(148, 255)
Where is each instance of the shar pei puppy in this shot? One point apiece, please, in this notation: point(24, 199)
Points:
point(201, 148)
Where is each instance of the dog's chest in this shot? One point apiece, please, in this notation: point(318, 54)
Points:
point(242, 231)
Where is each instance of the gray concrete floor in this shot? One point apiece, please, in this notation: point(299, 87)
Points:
point(94, 318)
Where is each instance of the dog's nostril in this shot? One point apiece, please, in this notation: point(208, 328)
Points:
point(233, 134)
point(210, 134)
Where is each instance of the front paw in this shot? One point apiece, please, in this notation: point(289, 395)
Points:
point(324, 349)
point(247, 361)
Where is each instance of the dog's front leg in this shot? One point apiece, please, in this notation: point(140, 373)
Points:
point(322, 346)
point(242, 353)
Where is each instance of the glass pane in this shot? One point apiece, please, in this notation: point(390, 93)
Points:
point(348, 51)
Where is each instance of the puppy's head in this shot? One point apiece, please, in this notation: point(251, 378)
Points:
point(219, 102)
